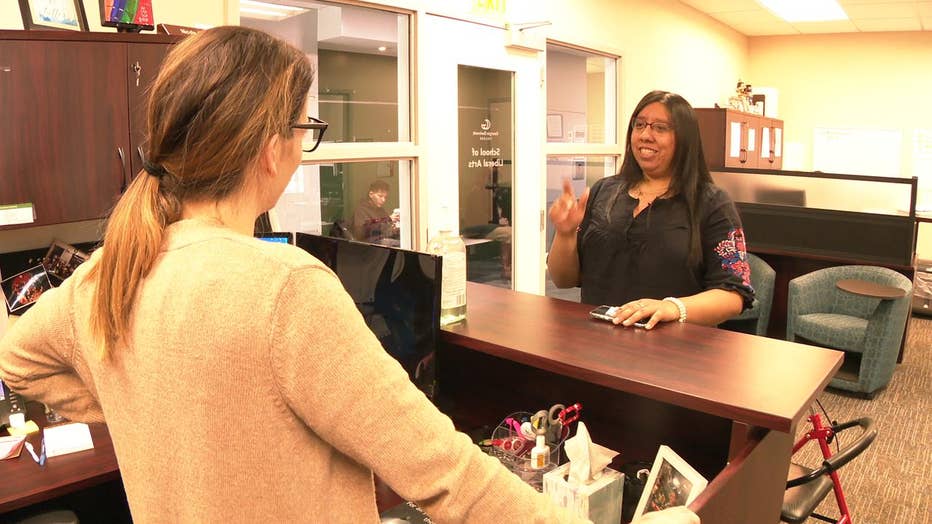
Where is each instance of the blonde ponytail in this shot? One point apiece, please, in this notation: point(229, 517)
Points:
point(131, 245)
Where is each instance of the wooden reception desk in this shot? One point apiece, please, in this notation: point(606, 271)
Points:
point(728, 403)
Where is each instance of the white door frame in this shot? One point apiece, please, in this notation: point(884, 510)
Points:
point(445, 44)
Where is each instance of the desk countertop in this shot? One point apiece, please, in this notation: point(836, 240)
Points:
point(25, 483)
point(755, 380)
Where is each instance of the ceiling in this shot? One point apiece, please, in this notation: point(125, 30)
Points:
point(752, 19)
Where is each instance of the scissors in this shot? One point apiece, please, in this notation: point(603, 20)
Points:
point(555, 421)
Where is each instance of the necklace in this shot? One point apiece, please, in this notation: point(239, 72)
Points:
point(651, 195)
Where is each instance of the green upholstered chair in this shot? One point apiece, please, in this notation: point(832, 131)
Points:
point(821, 313)
point(756, 319)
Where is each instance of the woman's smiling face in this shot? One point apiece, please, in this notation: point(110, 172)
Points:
point(654, 144)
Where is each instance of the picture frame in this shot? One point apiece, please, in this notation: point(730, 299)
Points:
point(672, 482)
point(65, 15)
point(554, 125)
point(62, 259)
point(24, 288)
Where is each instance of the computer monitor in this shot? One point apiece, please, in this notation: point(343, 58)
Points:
point(276, 236)
point(398, 293)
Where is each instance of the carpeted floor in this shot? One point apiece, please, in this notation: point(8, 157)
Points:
point(890, 482)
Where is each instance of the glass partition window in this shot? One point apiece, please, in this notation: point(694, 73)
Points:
point(580, 96)
point(362, 201)
point(361, 59)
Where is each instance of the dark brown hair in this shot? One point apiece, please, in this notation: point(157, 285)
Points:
point(691, 175)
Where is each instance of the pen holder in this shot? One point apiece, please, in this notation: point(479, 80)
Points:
point(513, 449)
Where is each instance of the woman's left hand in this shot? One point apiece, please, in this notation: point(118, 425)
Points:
point(649, 311)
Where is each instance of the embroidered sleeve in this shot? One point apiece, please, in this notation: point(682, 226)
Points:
point(725, 253)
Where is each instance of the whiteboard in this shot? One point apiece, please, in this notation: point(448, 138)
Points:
point(875, 152)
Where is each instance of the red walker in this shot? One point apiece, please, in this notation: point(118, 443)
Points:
point(809, 487)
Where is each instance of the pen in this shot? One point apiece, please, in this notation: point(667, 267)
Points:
point(42, 452)
point(32, 451)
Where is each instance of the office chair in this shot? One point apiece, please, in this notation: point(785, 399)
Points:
point(822, 312)
point(755, 320)
point(805, 487)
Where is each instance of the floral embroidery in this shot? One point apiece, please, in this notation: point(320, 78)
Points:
point(734, 255)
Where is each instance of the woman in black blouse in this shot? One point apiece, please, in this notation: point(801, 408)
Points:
point(659, 240)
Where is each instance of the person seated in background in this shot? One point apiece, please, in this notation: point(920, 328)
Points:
point(659, 239)
point(371, 222)
point(288, 403)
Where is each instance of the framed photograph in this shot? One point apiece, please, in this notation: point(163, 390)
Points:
point(672, 482)
point(53, 14)
point(22, 289)
point(554, 125)
point(62, 259)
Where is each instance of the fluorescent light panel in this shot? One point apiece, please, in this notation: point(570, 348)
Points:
point(268, 11)
point(805, 10)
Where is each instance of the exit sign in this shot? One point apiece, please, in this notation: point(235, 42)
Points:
point(489, 7)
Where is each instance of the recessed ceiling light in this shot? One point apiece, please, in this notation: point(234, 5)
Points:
point(382, 48)
point(268, 11)
point(805, 10)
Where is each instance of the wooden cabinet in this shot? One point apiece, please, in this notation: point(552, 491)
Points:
point(771, 144)
point(73, 118)
point(733, 138)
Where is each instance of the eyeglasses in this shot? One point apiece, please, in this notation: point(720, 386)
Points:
point(661, 128)
point(316, 129)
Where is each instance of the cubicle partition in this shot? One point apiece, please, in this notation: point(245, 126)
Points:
point(800, 222)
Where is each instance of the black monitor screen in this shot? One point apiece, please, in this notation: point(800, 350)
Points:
point(398, 293)
point(283, 238)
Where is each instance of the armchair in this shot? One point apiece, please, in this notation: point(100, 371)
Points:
point(869, 327)
point(756, 319)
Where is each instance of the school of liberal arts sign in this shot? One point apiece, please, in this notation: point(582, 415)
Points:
point(485, 155)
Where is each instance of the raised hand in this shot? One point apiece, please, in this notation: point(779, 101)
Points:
point(566, 213)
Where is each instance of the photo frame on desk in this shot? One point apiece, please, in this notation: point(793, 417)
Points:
point(672, 482)
point(67, 15)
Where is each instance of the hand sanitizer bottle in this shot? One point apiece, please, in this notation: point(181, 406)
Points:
point(453, 286)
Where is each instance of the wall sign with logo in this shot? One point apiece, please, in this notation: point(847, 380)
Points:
point(484, 154)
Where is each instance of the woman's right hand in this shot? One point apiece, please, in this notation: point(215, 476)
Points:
point(566, 213)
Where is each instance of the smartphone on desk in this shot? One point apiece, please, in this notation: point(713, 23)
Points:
point(608, 313)
point(604, 313)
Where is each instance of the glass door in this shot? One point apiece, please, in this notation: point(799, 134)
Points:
point(484, 164)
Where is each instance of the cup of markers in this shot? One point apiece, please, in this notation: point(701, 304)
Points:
point(530, 443)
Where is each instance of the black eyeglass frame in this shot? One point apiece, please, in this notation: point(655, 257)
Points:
point(313, 123)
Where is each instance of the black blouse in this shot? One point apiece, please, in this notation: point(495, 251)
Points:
point(624, 258)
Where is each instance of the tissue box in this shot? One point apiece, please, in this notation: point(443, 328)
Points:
point(599, 501)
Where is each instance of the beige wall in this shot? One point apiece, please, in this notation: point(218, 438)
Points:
point(850, 80)
point(663, 44)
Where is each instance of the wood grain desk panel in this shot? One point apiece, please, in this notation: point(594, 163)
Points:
point(25, 483)
point(754, 380)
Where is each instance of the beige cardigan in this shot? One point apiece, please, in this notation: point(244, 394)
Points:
point(251, 390)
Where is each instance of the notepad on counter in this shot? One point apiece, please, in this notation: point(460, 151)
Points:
point(10, 447)
point(67, 438)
